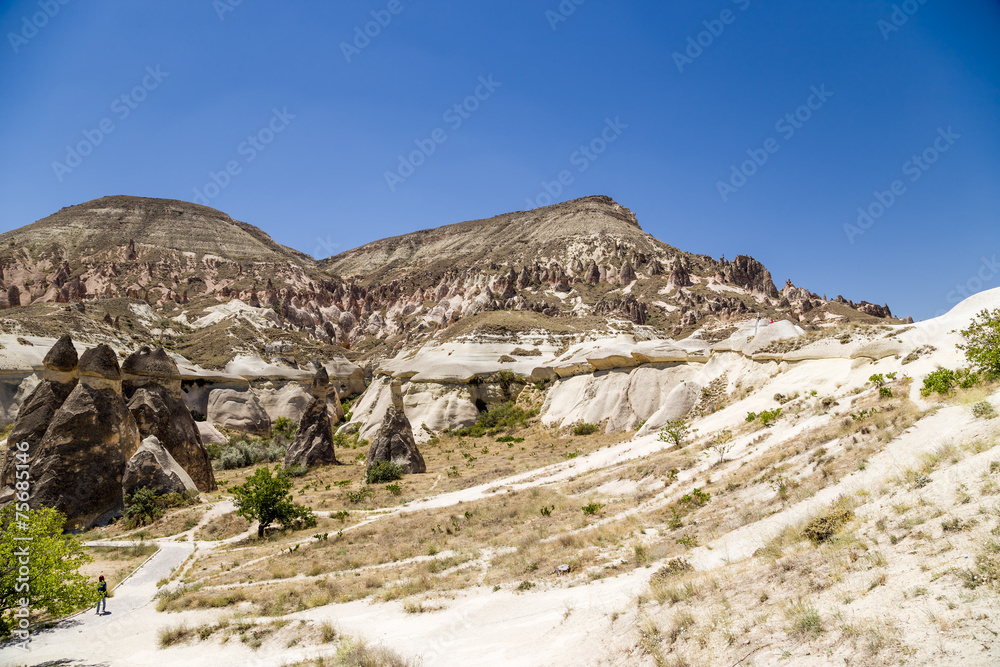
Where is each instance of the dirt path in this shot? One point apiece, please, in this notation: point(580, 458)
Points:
point(99, 637)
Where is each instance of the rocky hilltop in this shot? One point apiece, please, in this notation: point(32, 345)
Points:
point(243, 313)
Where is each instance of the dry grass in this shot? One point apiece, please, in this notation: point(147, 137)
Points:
point(223, 527)
point(115, 563)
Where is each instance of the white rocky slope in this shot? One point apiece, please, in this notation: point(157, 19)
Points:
point(626, 382)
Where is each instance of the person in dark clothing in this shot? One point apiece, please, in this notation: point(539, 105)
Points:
point(102, 590)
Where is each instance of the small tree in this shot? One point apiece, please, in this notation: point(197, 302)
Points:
point(265, 498)
point(50, 580)
point(982, 342)
point(674, 431)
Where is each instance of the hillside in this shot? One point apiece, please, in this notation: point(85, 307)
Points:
point(219, 288)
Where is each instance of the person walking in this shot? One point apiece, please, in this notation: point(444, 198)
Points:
point(102, 590)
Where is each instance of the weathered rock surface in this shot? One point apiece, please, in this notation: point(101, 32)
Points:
point(209, 434)
point(394, 440)
point(153, 467)
point(313, 443)
point(159, 414)
point(152, 386)
point(82, 455)
point(37, 411)
point(239, 410)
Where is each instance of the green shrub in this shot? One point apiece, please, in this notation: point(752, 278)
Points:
point(141, 508)
point(383, 471)
point(505, 416)
point(584, 429)
point(394, 489)
point(984, 410)
point(284, 427)
point(675, 430)
point(982, 342)
point(697, 498)
point(592, 508)
point(768, 416)
point(296, 470)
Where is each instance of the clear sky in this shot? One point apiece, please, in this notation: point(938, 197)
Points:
point(893, 108)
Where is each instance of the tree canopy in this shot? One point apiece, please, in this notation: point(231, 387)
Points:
point(265, 498)
point(38, 563)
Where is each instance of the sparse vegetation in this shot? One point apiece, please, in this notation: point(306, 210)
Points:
point(384, 471)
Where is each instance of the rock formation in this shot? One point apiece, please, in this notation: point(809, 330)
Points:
point(313, 443)
point(239, 410)
point(153, 467)
point(394, 440)
point(152, 387)
point(36, 413)
point(81, 458)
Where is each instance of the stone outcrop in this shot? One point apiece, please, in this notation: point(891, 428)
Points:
point(59, 377)
point(81, 458)
point(152, 386)
point(313, 443)
point(153, 467)
point(394, 439)
point(238, 410)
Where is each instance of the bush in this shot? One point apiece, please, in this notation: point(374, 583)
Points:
point(242, 451)
point(584, 429)
point(383, 471)
point(942, 380)
point(825, 526)
point(982, 342)
point(984, 410)
point(141, 508)
point(674, 431)
point(768, 416)
point(592, 508)
point(503, 417)
point(284, 427)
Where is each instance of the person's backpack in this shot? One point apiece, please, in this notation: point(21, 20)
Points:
point(103, 588)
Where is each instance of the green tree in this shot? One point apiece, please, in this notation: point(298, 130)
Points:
point(38, 563)
point(982, 342)
point(675, 431)
point(266, 499)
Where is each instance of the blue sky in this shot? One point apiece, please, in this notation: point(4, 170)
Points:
point(309, 127)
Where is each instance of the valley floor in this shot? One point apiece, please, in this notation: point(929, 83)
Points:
point(689, 555)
